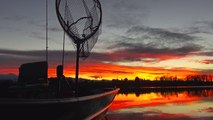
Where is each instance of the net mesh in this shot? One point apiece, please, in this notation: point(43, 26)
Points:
point(81, 21)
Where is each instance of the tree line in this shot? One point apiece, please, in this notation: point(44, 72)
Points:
point(163, 81)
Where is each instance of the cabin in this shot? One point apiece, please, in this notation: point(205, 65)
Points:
point(33, 73)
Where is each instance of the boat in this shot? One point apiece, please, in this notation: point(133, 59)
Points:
point(34, 99)
point(37, 97)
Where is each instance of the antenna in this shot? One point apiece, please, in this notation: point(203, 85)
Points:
point(47, 36)
point(82, 23)
point(47, 30)
point(64, 36)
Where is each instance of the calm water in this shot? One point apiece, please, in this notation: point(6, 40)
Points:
point(175, 104)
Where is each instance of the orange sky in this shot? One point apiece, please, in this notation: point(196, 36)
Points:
point(111, 71)
point(113, 65)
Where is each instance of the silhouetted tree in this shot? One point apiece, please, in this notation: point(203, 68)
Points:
point(125, 79)
point(137, 79)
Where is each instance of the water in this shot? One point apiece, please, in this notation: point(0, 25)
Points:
point(161, 104)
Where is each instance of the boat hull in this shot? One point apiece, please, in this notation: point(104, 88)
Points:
point(78, 108)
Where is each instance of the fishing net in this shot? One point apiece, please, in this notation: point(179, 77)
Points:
point(81, 20)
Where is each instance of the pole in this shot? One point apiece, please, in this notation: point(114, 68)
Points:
point(63, 46)
point(77, 68)
point(47, 37)
point(46, 30)
point(64, 36)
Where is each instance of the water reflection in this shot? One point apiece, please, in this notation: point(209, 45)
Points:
point(167, 103)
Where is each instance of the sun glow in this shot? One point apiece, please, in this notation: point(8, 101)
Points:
point(105, 71)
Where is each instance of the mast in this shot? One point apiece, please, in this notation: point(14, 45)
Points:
point(77, 68)
point(47, 36)
point(63, 49)
point(64, 37)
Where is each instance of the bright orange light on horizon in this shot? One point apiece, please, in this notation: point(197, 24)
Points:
point(109, 72)
point(105, 71)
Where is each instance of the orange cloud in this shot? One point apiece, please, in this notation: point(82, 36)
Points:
point(207, 61)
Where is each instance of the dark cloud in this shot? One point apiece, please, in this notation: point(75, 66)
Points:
point(139, 47)
point(200, 27)
point(203, 53)
point(159, 33)
point(124, 52)
point(143, 43)
point(15, 58)
point(19, 52)
point(138, 51)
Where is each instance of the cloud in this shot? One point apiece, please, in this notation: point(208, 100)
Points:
point(200, 27)
point(147, 44)
point(18, 57)
point(137, 51)
point(158, 40)
point(121, 14)
point(12, 18)
point(209, 109)
point(159, 33)
point(55, 29)
point(37, 35)
point(204, 53)
point(101, 65)
point(43, 26)
point(207, 61)
point(120, 52)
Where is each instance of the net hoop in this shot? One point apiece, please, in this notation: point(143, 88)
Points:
point(64, 24)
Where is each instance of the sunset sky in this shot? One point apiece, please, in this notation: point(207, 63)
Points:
point(144, 38)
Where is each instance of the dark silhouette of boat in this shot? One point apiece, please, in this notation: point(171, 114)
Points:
point(36, 97)
point(33, 99)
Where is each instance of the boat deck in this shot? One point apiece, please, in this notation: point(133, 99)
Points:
point(45, 92)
